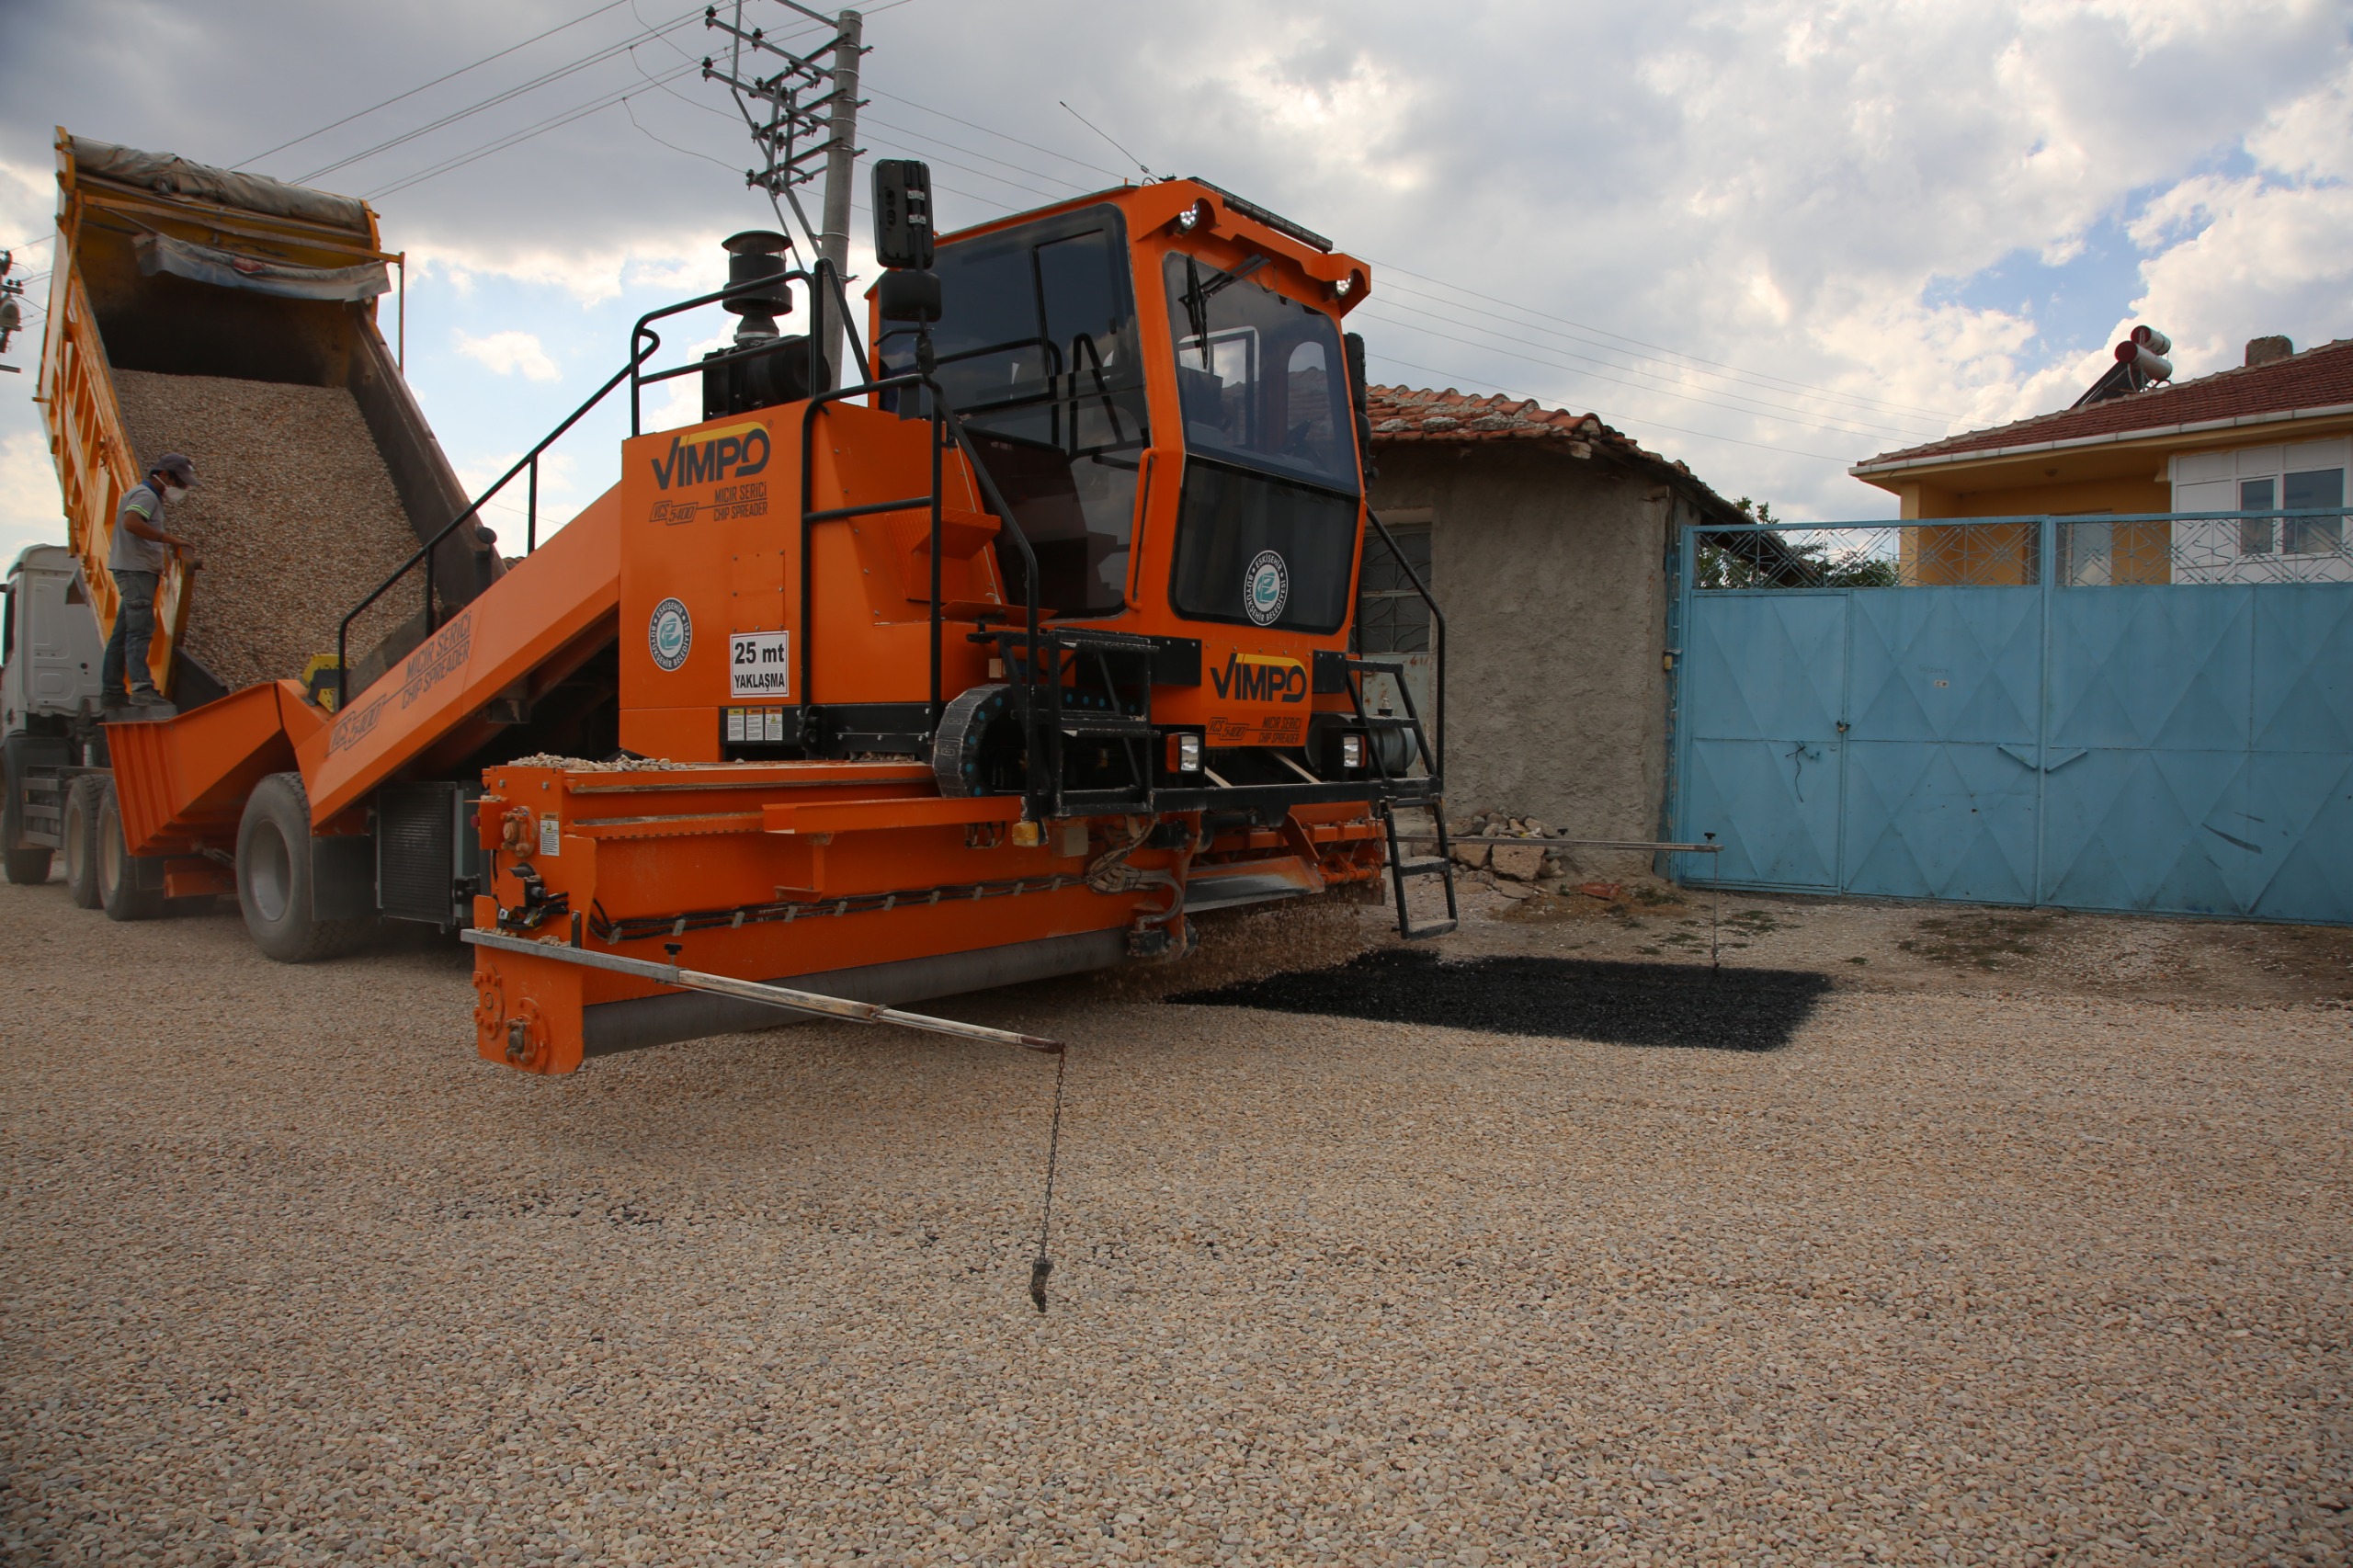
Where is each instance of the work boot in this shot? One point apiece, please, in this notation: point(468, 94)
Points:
point(148, 697)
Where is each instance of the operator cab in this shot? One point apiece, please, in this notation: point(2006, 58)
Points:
point(1073, 350)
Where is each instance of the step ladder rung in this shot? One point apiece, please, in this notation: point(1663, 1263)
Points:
point(1434, 929)
point(1422, 866)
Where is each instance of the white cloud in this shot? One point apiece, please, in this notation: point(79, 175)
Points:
point(510, 353)
point(30, 511)
point(1803, 190)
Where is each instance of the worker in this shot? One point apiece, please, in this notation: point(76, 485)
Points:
point(136, 564)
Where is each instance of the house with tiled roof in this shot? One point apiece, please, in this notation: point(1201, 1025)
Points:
point(1545, 536)
point(2274, 433)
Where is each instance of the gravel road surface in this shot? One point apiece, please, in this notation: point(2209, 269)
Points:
point(288, 1275)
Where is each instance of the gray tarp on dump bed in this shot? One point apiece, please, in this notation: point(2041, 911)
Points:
point(174, 176)
point(208, 264)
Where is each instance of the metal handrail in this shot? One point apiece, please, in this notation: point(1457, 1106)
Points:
point(643, 345)
point(1437, 623)
point(652, 340)
point(529, 461)
point(943, 415)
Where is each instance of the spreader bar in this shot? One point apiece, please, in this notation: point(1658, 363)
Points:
point(810, 1002)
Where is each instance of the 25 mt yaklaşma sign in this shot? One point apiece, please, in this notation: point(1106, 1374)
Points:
point(760, 663)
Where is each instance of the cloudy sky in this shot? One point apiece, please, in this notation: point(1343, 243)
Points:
point(1763, 236)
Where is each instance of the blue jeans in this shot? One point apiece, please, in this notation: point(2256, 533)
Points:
point(134, 628)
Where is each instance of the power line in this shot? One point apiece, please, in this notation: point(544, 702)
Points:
point(1016, 140)
point(1768, 411)
point(1801, 386)
point(565, 117)
point(500, 144)
point(595, 58)
point(1717, 367)
point(1867, 406)
point(436, 81)
point(1779, 413)
point(886, 142)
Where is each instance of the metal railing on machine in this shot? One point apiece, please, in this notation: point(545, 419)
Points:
point(643, 345)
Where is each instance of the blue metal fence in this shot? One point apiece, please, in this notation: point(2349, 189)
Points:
point(2133, 713)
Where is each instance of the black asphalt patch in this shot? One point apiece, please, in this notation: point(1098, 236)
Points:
point(1616, 1004)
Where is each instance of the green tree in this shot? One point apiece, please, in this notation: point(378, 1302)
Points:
point(1775, 561)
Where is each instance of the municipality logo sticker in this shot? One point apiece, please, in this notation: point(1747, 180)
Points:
point(1265, 587)
point(670, 635)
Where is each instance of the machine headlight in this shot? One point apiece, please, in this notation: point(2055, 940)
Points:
point(1351, 751)
point(1194, 217)
point(1185, 754)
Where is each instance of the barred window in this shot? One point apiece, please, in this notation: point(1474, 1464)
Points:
point(1391, 616)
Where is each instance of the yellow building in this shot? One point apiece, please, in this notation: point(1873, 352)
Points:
point(2274, 434)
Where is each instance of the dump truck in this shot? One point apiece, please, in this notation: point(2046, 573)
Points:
point(1002, 659)
point(184, 298)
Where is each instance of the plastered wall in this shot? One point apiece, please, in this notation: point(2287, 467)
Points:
point(1552, 572)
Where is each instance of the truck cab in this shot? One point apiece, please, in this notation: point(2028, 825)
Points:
point(49, 652)
point(50, 646)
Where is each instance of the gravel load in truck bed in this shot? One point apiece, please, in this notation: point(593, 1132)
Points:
point(289, 1275)
point(295, 519)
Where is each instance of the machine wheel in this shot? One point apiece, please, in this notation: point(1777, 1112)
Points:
point(978, 749)
point(25, 865)
point(81, 840)
point(274, 869)
point(129, 888)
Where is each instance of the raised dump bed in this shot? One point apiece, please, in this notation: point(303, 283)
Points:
point(233, 318)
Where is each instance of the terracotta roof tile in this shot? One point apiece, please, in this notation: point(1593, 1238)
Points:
point(2317, 378)
point(1410, 414)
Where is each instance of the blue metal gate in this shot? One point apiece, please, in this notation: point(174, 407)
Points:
point(2115, 713)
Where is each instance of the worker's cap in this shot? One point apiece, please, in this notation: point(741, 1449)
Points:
point(178, 467)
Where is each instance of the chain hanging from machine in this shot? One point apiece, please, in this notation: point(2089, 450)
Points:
point(806, 109)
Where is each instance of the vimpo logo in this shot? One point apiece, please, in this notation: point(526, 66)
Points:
point(1260, 678)
point(730, 451)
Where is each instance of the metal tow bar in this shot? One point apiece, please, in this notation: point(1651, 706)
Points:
point(810, 1001)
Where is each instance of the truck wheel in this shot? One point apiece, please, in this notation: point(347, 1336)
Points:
point(129, 888)
point(25, 865)
point(275, 871)
point(81, 840)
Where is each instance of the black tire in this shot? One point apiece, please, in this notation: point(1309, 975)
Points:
point(81, 840)
point(275, 867)
point(129, 888)
point(25, 865)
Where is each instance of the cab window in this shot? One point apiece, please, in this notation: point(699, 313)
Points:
point(1268, 514)
point(1039, 353)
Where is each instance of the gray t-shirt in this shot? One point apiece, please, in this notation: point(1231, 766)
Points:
point(129, 552)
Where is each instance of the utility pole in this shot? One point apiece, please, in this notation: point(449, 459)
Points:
point(841, 167)
point(841, 158)
point(792, 125)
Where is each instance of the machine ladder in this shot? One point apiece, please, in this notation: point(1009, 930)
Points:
point(1402, 791)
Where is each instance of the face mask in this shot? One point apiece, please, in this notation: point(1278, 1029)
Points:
point(175, 494)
